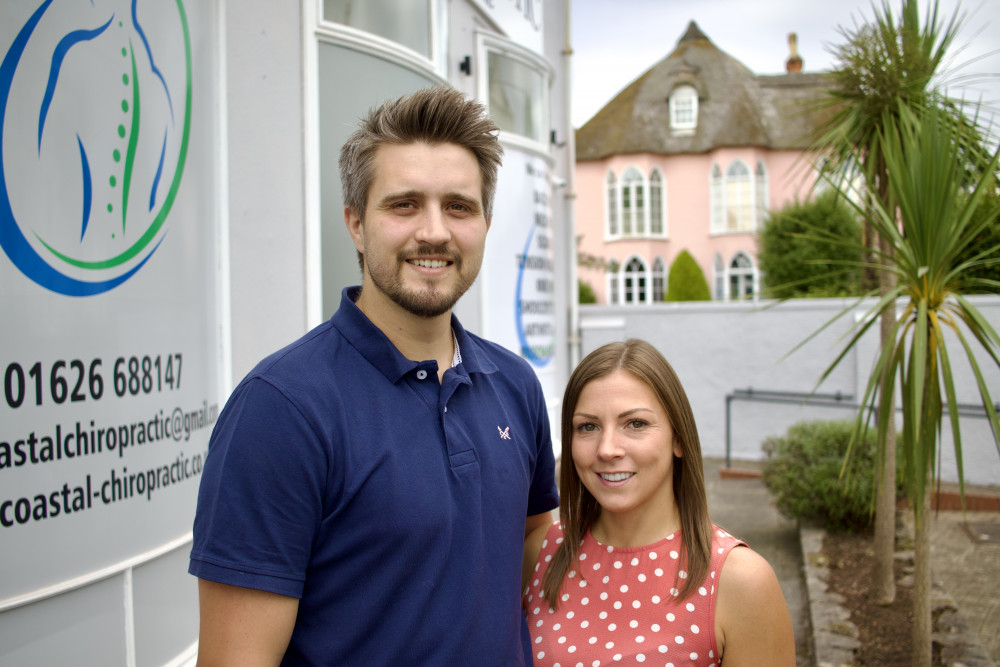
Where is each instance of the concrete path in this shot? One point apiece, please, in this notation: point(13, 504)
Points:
point(744, 508)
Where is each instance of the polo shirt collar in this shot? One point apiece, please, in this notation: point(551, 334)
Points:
point(379, 351)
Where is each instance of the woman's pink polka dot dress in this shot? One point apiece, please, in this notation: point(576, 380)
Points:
point(619, 606)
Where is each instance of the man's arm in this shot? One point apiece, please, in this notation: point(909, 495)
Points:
point(243, 626)
point(536, 520)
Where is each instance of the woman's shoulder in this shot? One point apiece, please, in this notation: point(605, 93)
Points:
point(750, 598)
point(537, 540)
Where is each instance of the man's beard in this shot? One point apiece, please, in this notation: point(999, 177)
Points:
point(428, 301)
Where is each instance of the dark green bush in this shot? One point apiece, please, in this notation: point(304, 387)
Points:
point(798, 235)
point(585, 293)
point(803, 472)
point(686, 281)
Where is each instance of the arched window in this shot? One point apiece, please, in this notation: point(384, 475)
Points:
point(612, 277)
point(683, 110)
point(659, 280)
point(633, 203)
point(656, 226)
point(760, 189)
point(634, 282)
point(739, 198)
point(741, 277)
point(719, 277)
point(717, 201)
point(612, 191)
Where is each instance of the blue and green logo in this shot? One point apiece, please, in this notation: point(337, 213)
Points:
point(95, 117)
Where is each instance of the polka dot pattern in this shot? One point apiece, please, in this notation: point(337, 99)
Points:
point(622, 608)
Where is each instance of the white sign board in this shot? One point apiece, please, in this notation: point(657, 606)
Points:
point(518, 272)
point(108, 281)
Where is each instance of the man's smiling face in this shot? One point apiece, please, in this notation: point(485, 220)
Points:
point(424, 231)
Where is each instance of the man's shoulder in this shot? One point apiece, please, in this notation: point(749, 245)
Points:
point(503, 358)
point(300, 358)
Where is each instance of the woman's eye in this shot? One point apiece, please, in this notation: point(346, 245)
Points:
point(636, 424)
point(586, 428)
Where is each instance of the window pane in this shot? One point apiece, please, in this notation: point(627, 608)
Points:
point(739, 203)
point(516, 96)
point(612, 205)
point(640, 211)
point(407, 22)
point(655, 204)
point(684, 108)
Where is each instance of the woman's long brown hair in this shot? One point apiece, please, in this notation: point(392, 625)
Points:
point(579, 509)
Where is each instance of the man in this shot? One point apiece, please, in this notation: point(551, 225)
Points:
point(368, 488)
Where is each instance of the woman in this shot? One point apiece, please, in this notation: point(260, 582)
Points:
point(634, 571)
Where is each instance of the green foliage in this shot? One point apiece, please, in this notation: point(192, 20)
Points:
point(687, 281)
point(940, 215)
point(585, 293)
point(803, 472)
point(811, 249)
point(983, 251)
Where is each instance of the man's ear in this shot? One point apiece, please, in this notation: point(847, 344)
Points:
point(353, 222)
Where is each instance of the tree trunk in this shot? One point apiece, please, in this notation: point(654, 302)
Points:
point(922, 650)
point(883, 589)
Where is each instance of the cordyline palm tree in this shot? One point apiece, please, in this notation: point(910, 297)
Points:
point(932, 219)
point(884, 66)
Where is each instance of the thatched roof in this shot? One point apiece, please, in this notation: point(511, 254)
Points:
point(735, 106)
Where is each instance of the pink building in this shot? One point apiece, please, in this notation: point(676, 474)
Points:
point(690, 156)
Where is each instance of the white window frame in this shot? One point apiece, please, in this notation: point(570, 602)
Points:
point(372, 43)
point(618, 189)
point(642, 296)
point(632, 189)
point(611, 226)
point(743, 274)
point(613, 285)
point(761, 193)
point(717, 198)
point(657, 200)
point(719, 278)
point(745, 211)
point(658, 273)
point(683, 98)
point(756, 189)
point(487, 43)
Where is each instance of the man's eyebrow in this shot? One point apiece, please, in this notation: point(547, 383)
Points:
point(471, 202)
point(396, 196)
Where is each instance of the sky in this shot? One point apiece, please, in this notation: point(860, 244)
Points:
point(615, 41)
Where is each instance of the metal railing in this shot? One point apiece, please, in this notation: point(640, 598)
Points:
point(837, 400)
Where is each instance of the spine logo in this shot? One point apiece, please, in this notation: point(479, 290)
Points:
point(95, 111)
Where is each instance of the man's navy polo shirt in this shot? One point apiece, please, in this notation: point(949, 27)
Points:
point(393, 506)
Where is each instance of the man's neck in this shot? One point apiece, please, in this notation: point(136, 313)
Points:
point(417, 338)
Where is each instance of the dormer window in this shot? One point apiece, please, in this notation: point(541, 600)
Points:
point(683, 110)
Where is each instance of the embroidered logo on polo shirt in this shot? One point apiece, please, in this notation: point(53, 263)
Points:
point(505, 433)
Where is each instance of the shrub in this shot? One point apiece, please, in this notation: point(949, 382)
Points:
point(798, 235)
point(803, 472)
point(585, 293)
point(686, 281)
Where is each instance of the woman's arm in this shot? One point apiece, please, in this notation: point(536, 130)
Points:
point(533, 539)
point(752, 623)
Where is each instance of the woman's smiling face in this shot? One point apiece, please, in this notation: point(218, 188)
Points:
point(623, 447)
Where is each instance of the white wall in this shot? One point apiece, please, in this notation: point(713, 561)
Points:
point(719, 348)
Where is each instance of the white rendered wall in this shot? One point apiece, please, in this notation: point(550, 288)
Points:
point(719, 348)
